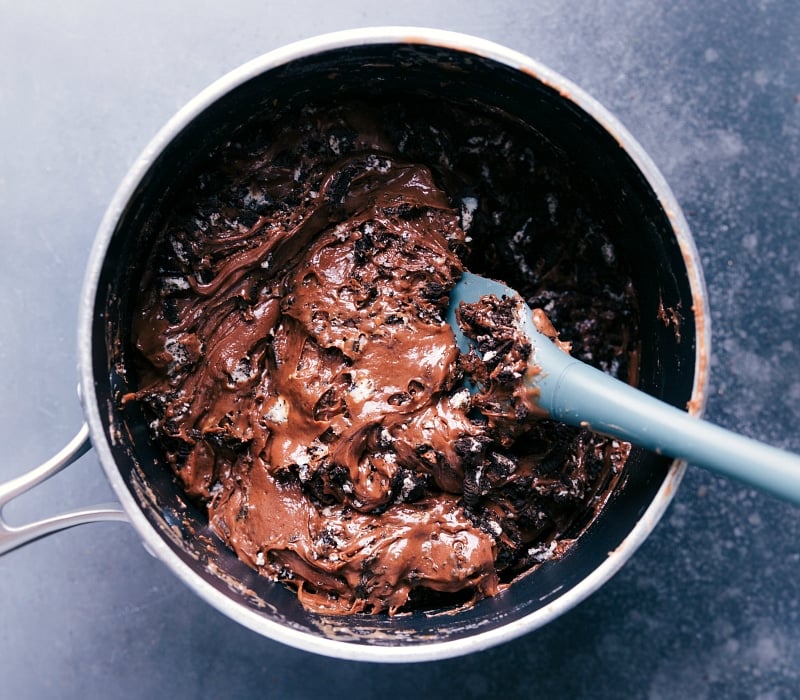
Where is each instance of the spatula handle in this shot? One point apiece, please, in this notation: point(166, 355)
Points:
point(582, 395)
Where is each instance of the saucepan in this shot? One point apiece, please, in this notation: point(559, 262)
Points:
point(627, 189)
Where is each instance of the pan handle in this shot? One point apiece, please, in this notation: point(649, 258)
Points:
point(12, 537)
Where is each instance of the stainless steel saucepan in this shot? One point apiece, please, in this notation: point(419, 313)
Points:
point(626, 187)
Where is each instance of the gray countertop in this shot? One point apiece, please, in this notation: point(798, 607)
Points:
point(709, 607)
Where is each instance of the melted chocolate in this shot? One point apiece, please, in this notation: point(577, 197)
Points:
point(304, 385)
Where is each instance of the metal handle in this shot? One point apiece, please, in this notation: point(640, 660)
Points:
point(12, 537)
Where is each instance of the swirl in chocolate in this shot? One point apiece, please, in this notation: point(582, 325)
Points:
point(305, 386)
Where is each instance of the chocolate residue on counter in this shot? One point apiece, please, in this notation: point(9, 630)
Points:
point(304, 385)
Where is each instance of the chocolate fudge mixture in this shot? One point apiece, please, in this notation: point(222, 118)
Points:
point(305, 388)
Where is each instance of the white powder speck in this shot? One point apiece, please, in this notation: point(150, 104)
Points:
point(362, 389)
point(180, 251)
point(460, 400)
point(174, 284)
point(468, 207)
point(300, 457)
point(334, 144)
point(543, 552)
point(279, 412)
point(407, 488)
point(177, 351)
point(381, 165)
point(242, 372)
point(255, 198)
point(341, 232)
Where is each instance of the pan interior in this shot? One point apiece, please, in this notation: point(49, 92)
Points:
point(615, 196)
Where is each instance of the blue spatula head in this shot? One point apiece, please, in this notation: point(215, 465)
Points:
point(572, 392)
point(546, 361)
